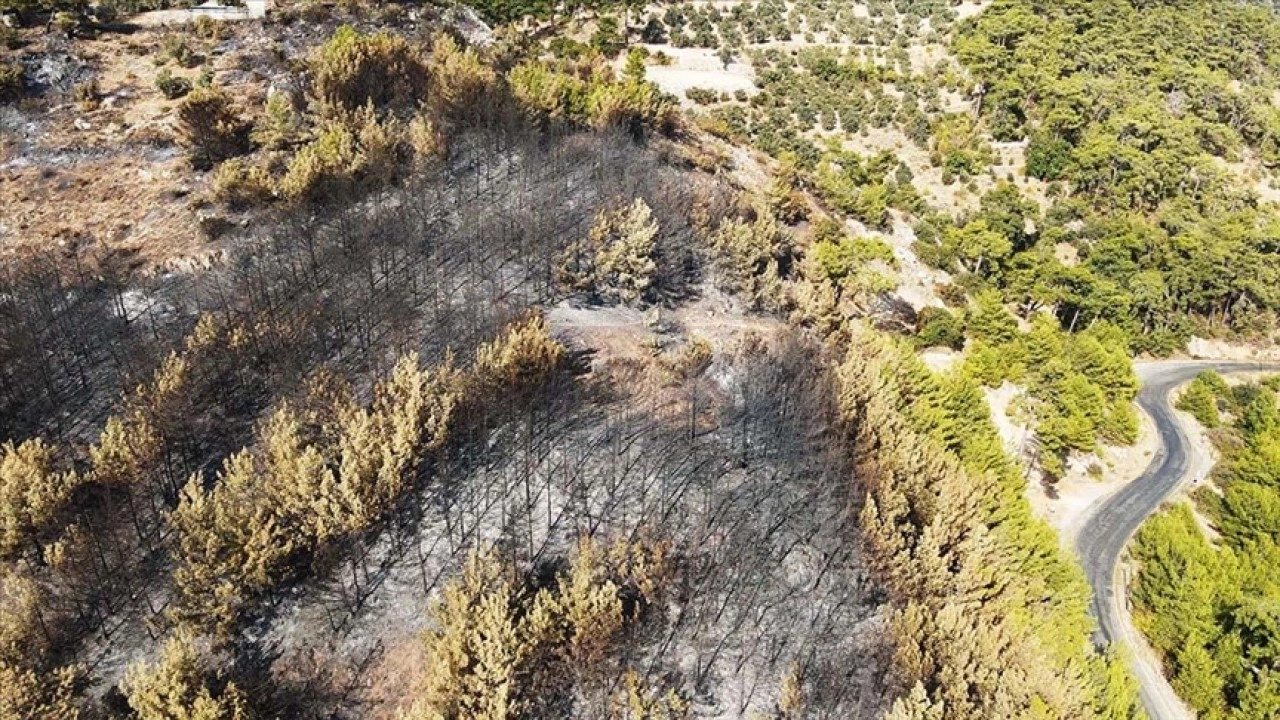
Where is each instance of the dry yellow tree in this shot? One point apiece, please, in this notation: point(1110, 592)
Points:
point(178, 687)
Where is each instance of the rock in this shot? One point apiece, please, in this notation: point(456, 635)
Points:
point(233, 77)
point(82, 124)
point(473, 29)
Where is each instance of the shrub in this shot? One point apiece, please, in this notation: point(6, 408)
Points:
point(240, 185)
point(171, 86)
point(1201, 402)
point(702, 96)
point(951, 294)
point(206, 27)
point(939, 327)
point(569, 49)
point(351, 70)
point(86, 94)
point(355, 152)
point(279, 126)
point(9, 37)
point(66, 23)
point(174, 47)
point(211, 128)
point(11, 83)
point(461, 85)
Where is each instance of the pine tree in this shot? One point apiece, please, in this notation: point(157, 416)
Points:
point(32, 493)
point(617, 259)
point(46, 695)
point(501, 649)
point(21, 639)
point(523, 358)
point(178, 687)
point(947, 529)
point(280, 126)
point(352, 70)
point(379, 449)
point(239, 537)
point(748, 256)
point(473, 658)
point(791, 695)
point(638, 700)
point(625, 261)
point(915, 706)
point(461, 84)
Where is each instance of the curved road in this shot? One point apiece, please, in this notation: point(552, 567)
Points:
point(1108, 529)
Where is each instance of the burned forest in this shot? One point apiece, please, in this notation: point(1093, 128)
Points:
point(760, 360)
point(278, 459)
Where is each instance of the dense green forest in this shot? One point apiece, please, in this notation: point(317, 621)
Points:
point(1155, 119)
point(1208, 586)
point(1153, 129)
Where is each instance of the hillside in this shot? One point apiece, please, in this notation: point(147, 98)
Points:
point(539, 360)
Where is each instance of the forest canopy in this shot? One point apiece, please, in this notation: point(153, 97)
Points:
point(1157, 118)
point(1207, 596)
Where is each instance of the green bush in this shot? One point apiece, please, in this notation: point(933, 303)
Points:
point(352, 70)
point(939, 327)
point(172, 86)
point(1201, 401)
point(702, 96)
point(241, 185)
point(1048, 157)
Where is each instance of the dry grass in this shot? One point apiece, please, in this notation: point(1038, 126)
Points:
point(105, 173)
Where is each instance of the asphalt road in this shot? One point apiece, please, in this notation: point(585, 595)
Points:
point(1107, 531)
